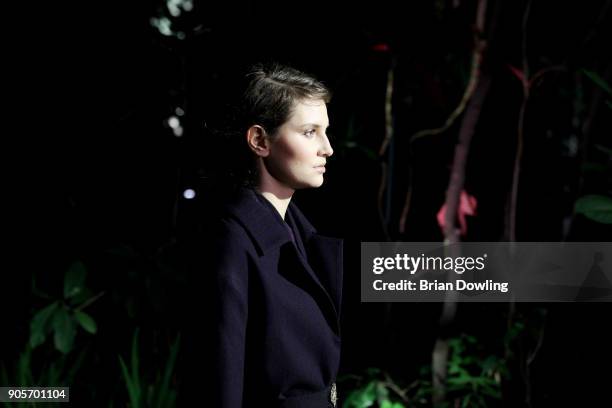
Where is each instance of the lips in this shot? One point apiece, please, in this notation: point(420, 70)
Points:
point(320, 168)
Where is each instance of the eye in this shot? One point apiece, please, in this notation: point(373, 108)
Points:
point(310, 133)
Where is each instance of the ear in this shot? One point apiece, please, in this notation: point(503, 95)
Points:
point(258, 141)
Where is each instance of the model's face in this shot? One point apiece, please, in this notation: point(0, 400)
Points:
point(300, 148)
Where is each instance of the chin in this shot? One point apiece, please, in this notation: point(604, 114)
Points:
point(317, 183)
point(314, 183)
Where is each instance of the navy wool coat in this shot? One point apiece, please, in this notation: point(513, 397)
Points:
point(269, 333)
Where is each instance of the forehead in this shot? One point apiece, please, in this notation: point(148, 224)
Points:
point(309, 111)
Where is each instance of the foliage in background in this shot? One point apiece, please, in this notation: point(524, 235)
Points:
point(65, 315)
point(139, 283)
point(474, 380)
point(598, 207)
point(158, 394)
point(61, 361)
point(38, 365)
point(375, 388)
point(55, 372)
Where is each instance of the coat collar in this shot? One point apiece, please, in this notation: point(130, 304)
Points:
point(259, 219)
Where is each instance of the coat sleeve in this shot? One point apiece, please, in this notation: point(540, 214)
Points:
point(215, 352)
point(229, 273)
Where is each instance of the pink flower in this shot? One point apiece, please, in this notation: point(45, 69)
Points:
point(467, 206)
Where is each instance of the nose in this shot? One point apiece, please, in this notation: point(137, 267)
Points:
point(326, 150)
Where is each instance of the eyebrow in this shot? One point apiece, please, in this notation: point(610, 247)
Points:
point(312, 125)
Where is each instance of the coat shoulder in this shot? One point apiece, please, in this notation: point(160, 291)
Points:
point(228, 235)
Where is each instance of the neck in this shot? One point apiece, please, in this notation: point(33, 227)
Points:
point(279, 203)
point(274, 191)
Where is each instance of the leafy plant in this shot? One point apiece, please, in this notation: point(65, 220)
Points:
point(57, 372)
point(59, 319)
point(595, 207)
point(158, 394)
point(62, 317)
point(375, 389)
point(473, 380)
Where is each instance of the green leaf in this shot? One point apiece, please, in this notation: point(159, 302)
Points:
point(369, 393)
point(455, 368)
point(362, 398)
point(74, 279)
point(466, 401)
point(75, 367)
point(64, 327)
point(135, 370)
point(349, 401)
point(386, 404)
point(491, 392)
point(489, 364)
point(53, 373)
point(40, 325)
point(593, 76)
point(595, 207)
point(461, 380)
point(165, 395)
point(133, 391)
point(84, 295)
point(86, 322)
point(24, 368)
point(381, 391)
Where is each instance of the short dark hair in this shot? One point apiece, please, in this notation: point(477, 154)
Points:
point(272, 92)
point(267, 98)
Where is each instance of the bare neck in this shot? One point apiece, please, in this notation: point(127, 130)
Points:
point(279, 203)
point(277, 193)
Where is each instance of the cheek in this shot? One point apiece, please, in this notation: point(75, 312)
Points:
point(296, 154)
point(284, 162)
point(306, 152)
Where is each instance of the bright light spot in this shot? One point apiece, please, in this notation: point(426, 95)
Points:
point(174, 11)
point(173, 7)
point(179, 111)
point(173, 122)
point(162, 24)
point(180, 35)
point(178, 131)
point(187, 5)
point(189, 194)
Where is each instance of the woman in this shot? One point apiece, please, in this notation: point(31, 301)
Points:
point(275, 284)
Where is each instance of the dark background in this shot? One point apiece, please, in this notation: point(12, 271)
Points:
point(103, 173)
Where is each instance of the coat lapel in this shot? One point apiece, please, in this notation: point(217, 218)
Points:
point(324, 254)
point(324, 263)
point(325, 257)
point(295, 269)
